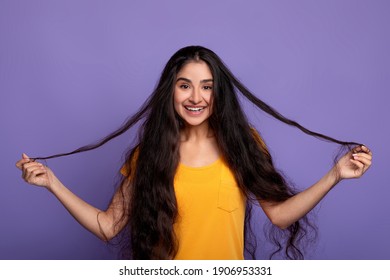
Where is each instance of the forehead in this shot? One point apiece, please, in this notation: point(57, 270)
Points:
point(198, 70)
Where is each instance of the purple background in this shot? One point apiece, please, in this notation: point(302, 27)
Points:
point(72, 71)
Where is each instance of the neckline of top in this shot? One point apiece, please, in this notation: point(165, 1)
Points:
point(201, 167)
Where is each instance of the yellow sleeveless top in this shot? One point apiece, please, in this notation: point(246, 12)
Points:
point(211, 211)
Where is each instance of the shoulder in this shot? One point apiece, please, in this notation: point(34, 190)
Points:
point(259, 140)
point(129, 166)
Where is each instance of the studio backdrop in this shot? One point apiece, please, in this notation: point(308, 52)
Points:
point(72, 71)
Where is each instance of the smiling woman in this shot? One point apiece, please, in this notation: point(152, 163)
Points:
point(193, 93)
point(198, 166)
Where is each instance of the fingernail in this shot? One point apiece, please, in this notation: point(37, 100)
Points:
point(354, 155)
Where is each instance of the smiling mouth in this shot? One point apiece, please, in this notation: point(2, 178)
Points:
point(194, 108)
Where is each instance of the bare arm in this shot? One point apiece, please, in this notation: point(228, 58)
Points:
point(285, 213)
point(101, 223)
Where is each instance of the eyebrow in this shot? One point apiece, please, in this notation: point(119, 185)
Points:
point(189, 81)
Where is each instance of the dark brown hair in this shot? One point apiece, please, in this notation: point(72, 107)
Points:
point(153, 210)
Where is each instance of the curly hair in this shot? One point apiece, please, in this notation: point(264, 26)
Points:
point(152, 206)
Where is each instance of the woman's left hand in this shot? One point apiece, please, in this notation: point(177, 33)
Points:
point(354, 163)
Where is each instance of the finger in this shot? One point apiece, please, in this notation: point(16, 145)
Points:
point(357, 163)
point(30, 166)
point(366, 150)
point(365, 161)
point(34, 172)
point(360, 149)
point(357, 149)
point(25, 159)
point(26, 166)
point(363, 155)
point(19, 164)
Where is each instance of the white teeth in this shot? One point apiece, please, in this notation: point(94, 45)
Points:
point(196, 109)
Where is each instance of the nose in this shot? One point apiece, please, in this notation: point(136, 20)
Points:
point(195, 97)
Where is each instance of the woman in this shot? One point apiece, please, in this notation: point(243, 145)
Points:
point(197, 164)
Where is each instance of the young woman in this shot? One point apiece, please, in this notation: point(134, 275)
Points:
point(197, 166)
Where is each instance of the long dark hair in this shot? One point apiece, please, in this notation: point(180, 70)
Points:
point(152, 208)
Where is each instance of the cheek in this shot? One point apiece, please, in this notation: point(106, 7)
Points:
point(176, 101)
point(211, 103)
point(209, 99)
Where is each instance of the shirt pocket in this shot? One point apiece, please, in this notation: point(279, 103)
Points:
point(229, 196)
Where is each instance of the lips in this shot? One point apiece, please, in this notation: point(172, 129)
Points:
point(194, 108)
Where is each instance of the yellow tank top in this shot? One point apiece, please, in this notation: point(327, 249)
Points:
point(211, 213)
point(211, 210)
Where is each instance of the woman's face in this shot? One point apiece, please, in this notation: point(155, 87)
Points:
point(193, 93)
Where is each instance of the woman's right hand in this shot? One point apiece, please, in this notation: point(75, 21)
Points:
point(35, 173)
point(105, 226)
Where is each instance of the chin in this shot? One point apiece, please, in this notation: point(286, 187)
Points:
point(194, 123)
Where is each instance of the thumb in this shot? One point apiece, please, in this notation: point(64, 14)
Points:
point(24, 156)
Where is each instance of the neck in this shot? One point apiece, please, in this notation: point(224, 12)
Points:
point(196, 133)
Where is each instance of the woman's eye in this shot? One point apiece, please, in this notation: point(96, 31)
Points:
point(184, 86)
point(208, 87)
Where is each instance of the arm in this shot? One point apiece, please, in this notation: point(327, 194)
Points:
point(285, 213)
point(100, 223)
